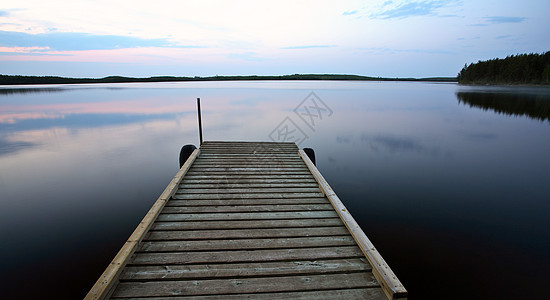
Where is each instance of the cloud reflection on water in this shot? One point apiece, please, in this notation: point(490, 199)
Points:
point(384, 143)
point(80, 121)
point(8, 147)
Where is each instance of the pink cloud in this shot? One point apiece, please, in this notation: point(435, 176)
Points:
point(23, 49)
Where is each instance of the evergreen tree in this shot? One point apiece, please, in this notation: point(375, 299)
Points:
point(530, 68)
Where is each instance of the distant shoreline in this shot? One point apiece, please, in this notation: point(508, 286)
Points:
point(25, 80)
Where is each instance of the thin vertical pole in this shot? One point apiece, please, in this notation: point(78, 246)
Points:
point(200, 123)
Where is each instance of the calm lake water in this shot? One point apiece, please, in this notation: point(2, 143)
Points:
point(451, 183)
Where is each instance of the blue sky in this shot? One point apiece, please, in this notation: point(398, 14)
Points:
point(203, 38)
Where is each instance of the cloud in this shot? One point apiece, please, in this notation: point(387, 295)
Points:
point(503, 19)
point(74, 41)
point(349, 13)
point(500, 37)
point(380, 50)
point(499, 20)
point(410, 9)
point(23, 49)
point(308, 47)
point(3, 13)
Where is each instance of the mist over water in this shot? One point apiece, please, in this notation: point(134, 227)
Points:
point(449, 182)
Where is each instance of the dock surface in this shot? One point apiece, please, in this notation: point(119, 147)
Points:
point(248, 220)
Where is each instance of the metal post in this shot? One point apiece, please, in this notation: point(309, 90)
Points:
point(200, 123)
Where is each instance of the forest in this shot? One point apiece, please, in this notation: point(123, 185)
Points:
point(531, 68)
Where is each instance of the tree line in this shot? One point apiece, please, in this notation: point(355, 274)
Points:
point(17, 79)
point(530, 68)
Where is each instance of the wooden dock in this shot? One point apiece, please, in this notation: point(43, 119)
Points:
point(248, 220)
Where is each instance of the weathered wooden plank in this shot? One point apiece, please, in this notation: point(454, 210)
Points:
point(251, 153)
point(248, 216)
point(248, 159)
point(244, 224)
point(389, 282)
point(223, 190)
point(247, 285)
point(238, 256)
point(256, 169)
point(248, 185)
point(108, 279)
point(211, 154)
point(251, 158)
point(250, 150)
point(248, 208)
point(275, 182)
point(245, 177)
point(243, 233)
point(225, 150)
point(339, 294)
point(260, 159)
point(236, 202)
point(247, 162)
point(247, 196)
point(245, 270)
point(245, 173)
point(244, 148)
point(209, 143)
point(228, 244)
point(255, 152)
point(248, 166)
point(255, 147)
point(249, 169)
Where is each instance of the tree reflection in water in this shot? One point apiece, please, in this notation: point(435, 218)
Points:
point(534, 106)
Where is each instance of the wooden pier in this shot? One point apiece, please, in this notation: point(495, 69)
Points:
point(248, 220)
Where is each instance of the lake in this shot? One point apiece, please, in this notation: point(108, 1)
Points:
point(451, 183)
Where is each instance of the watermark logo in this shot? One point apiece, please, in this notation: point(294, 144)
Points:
point(225, 184)
point(312, 110)
point(288, 131)
point(265, 157)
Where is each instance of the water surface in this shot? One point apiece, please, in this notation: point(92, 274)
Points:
point(449, 182)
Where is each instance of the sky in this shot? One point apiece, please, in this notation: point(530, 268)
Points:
point(386, 38)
